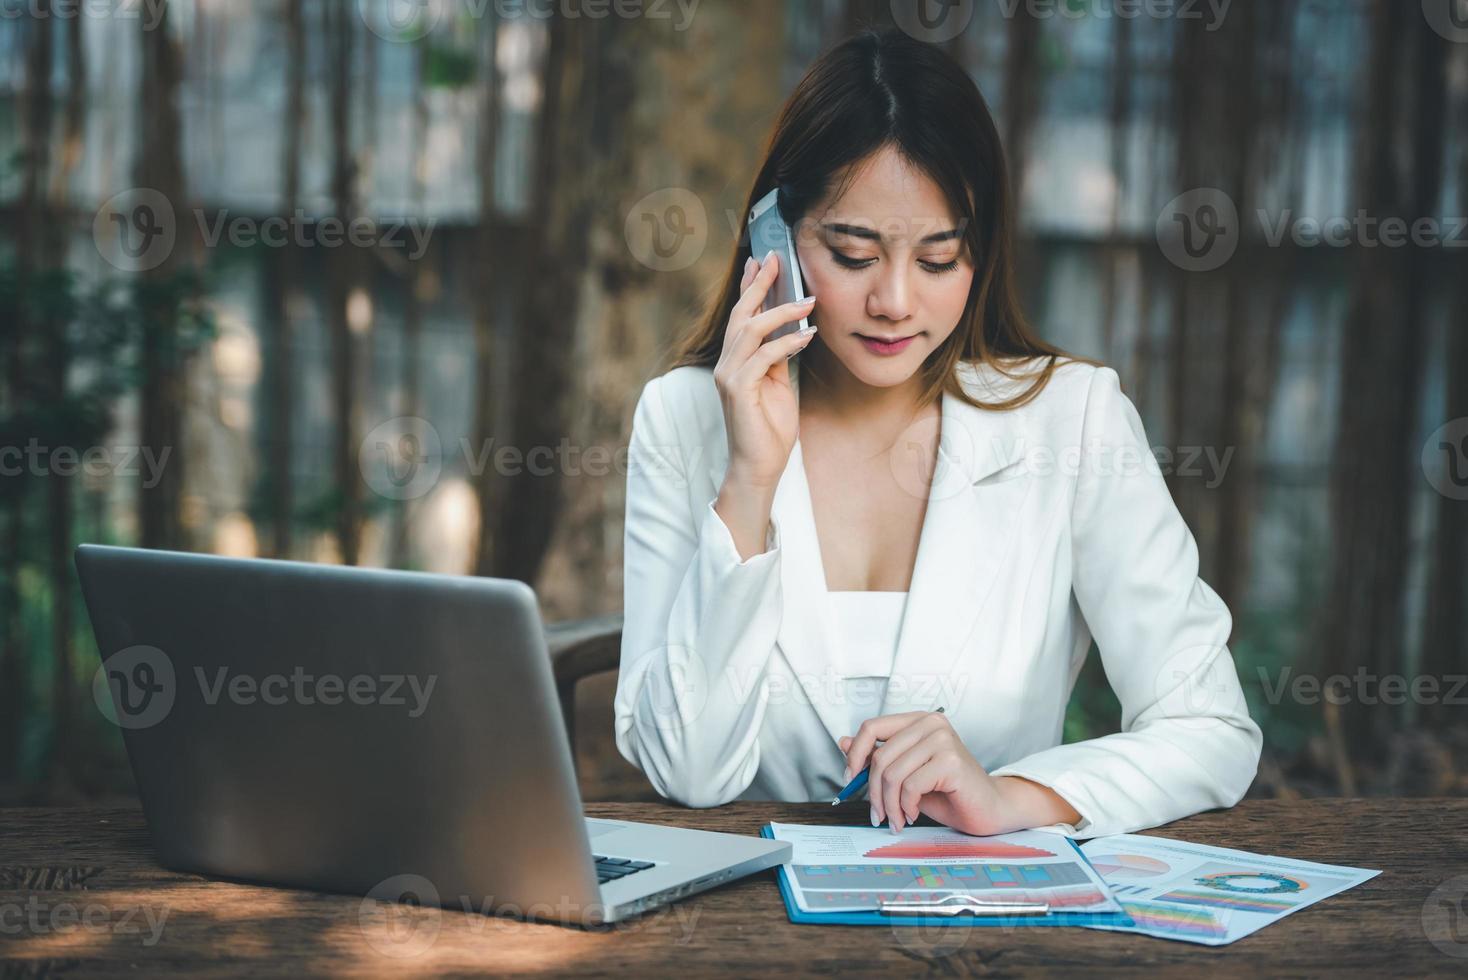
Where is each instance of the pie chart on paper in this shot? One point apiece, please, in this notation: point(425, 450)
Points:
point(1128, 866)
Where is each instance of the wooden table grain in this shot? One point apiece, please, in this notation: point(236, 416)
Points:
point(81, 894)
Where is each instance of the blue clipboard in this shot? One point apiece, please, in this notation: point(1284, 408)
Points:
point(875, 918)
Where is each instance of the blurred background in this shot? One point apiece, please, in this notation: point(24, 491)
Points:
point(379, 283)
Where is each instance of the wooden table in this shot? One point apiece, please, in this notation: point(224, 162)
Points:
point(80, 892)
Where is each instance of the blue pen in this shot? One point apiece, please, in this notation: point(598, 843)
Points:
point(857, 782)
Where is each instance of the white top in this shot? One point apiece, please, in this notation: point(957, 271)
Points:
point(867, 625)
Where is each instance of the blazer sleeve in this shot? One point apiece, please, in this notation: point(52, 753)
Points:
point(1187, 742)
point(699, 625)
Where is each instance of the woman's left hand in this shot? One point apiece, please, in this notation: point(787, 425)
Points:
point(923, 767)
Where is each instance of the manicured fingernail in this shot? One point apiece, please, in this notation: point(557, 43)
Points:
point(807, 300)
point(875, 821)
point(846, 774)
point(809, 331)
point(768, 255)
point(749, 263)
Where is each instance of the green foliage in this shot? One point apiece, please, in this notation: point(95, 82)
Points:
point(76, 351)
point(320, 512)
point(1271, 642)
point(1093, 710)
point(447, 66)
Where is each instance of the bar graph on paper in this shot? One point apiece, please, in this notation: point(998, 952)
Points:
point(829, 886)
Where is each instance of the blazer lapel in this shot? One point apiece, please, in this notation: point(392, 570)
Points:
point(977, 494)
point(965, 541)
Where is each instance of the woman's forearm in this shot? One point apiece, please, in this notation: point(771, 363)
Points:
point(1027, 804)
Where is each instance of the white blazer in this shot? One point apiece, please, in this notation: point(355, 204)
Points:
point(1046, 525)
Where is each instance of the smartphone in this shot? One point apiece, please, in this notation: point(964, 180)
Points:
point(768, 230)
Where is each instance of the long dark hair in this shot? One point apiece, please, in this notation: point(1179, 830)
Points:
point(883, 88)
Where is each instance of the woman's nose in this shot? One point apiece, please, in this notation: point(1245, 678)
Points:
point(891, 298)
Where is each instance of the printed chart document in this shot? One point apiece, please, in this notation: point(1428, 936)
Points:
point(847, 869)
point(1210, 895)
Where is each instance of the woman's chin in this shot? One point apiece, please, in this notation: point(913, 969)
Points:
point(883, 372)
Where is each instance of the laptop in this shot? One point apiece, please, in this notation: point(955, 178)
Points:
point(371, 732)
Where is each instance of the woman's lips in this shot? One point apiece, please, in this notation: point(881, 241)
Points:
point(879, 346)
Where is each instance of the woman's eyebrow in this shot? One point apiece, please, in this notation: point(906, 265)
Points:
point(856, 231)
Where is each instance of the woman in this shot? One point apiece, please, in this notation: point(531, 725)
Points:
point(928, 508)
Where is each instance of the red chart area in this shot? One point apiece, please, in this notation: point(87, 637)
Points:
point(976, 849)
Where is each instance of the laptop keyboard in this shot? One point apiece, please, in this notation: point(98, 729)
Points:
point(615, 869)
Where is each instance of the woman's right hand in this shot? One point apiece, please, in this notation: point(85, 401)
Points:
point(760, 411)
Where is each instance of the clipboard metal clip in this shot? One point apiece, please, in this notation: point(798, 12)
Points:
point(958, 903)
